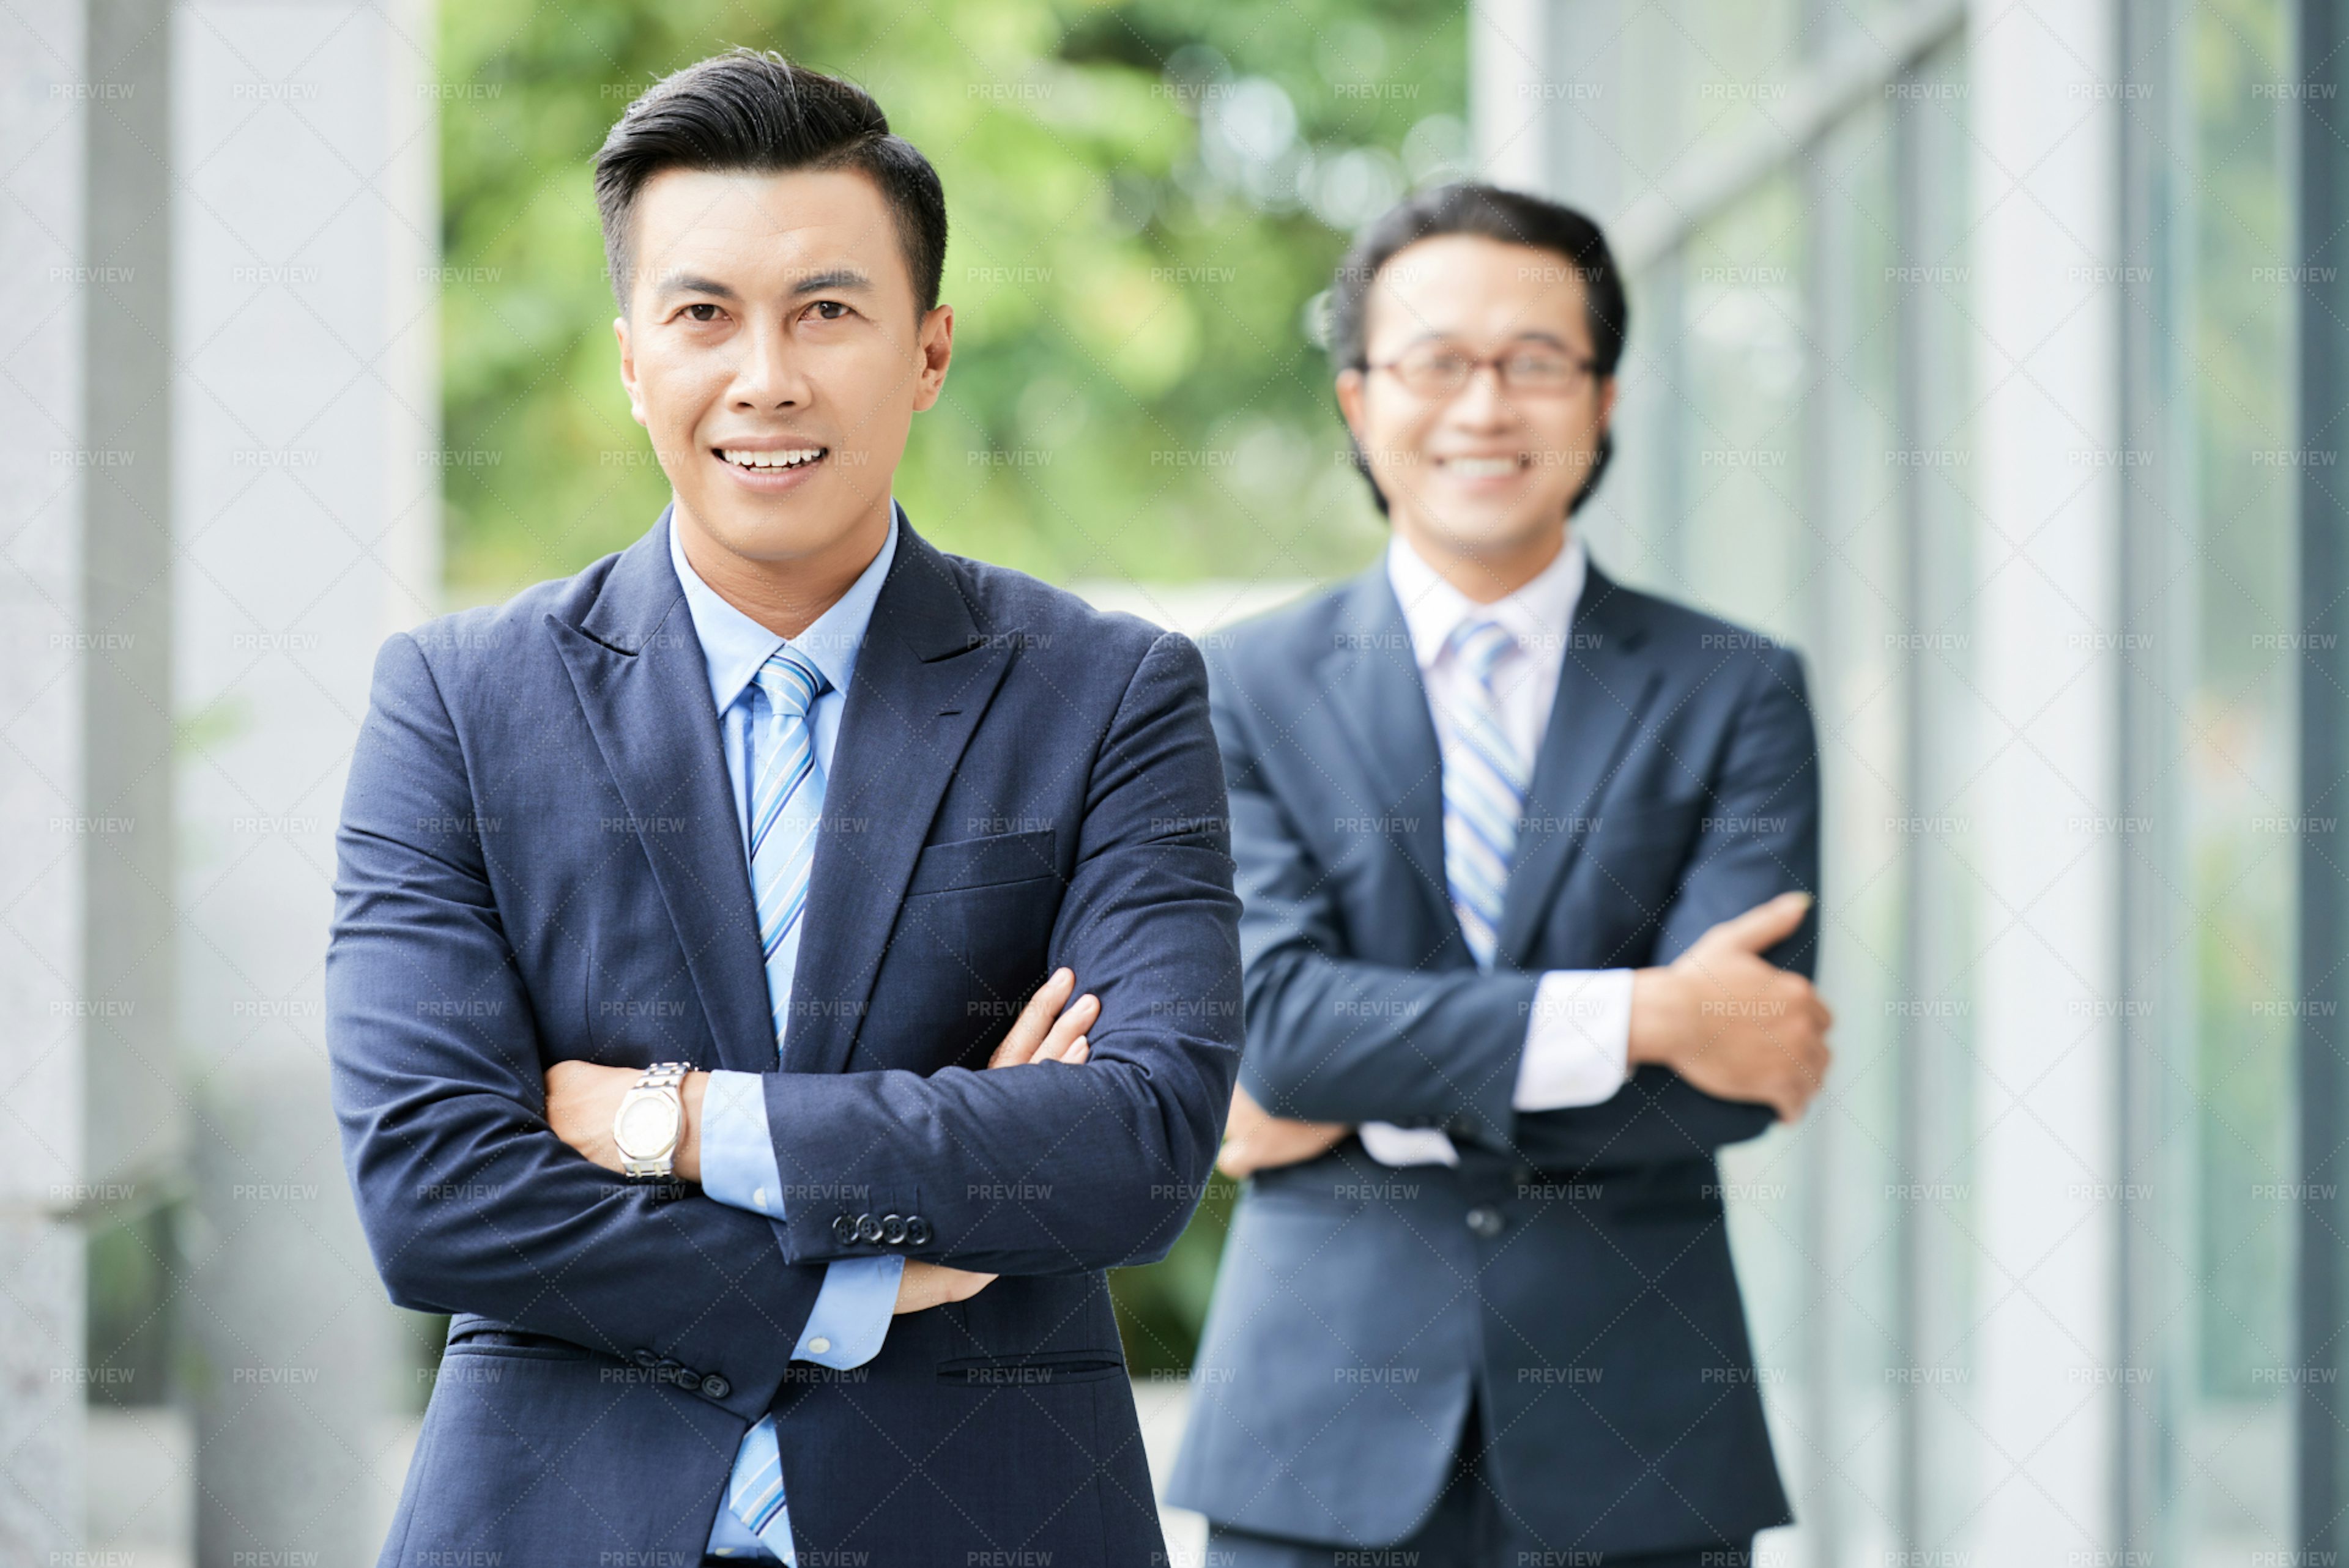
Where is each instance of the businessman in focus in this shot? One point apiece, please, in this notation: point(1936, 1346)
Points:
point(776, 971)
point(1526, 859)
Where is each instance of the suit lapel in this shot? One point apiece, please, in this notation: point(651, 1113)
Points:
point(1603, 691)
point(642, 684)
point(1374, 687)
point(925, 675)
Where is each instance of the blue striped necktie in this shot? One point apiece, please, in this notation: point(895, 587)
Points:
point(1484, 791)
point(786, 805)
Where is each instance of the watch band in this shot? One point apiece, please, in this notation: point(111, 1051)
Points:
point(661, 1079)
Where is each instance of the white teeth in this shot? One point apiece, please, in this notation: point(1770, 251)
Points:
point(790, 459)
point(1482, 468)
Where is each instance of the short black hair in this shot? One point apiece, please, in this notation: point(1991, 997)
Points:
point(754, 110)
point(1513, 219)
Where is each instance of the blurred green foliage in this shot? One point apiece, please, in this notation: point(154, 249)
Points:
point(1145, 199)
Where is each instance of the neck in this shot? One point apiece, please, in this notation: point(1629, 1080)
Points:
point(1486, 573)
point(784, 593)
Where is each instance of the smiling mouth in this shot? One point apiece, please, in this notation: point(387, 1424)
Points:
point(771, 461)
point(1482, 468)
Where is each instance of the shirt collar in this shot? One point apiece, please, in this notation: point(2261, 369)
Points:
point(1536, 614)
point(733, 645)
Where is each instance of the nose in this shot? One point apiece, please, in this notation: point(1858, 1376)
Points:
point(770, 376)
point(1482, 404)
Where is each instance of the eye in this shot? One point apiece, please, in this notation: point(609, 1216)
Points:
point(829, 310)
point(704, 311)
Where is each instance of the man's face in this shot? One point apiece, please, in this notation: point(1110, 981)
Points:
point(775, 349)
point(1485, 470)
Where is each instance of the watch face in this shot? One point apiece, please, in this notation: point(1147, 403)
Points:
point(647, 1124)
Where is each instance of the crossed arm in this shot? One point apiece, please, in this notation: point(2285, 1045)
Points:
point(1335, 1040)
point(1726, 1020)
point(583, 1104)
point(468, 1203)
point(472, 1203)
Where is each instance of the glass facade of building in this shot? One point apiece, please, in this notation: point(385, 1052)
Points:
point(1810, 201)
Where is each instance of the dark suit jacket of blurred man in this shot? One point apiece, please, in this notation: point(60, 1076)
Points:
point(540, 861)
point(1572, 1272)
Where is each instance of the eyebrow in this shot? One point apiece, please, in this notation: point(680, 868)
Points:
point(814, 283)
point(837, 278)
point(1436, 334)
point(686, 282)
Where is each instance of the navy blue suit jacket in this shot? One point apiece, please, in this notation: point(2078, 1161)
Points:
point(1573, 1270)
point(540, 861)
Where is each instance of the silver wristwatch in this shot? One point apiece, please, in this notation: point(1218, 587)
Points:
point(650, 1122)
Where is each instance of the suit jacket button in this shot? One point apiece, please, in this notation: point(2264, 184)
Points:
point(868, 1229)
point(893, 1229)
point(1485, 1222)
point(717, 1387)
point(644, 1358)
point(917, 1230)
point(843, 1230)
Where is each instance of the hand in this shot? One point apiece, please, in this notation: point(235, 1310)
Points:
point(926, 1286)
point(1256, 1139)
point(583, 1099)
point(1729, 1022)
point(1036, 1035)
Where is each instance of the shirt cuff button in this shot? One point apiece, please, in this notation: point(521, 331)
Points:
point(818, 1346)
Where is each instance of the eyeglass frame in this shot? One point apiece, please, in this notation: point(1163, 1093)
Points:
point(1585, 365)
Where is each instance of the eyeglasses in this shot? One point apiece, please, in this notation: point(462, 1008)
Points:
point(1442, 369)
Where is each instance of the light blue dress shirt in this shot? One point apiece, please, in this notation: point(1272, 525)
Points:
point(737, 1155)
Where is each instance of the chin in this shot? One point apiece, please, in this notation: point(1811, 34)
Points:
point(758, 532)
point(1504, 534)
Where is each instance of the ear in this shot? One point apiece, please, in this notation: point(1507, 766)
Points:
point(628, 368)
point(1349, 400)
point(935, 341)
point(1605, 404)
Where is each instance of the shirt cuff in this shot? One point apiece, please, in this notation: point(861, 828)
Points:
point(851, 1313)
point(859, 1296)
point(1578, 1041)
point(738, 1153)
point(1390, 1145)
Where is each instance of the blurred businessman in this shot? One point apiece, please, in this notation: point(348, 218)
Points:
point(684, 904)
point(1527, 860)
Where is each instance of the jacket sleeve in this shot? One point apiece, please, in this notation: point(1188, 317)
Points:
point(1331, 1038)
point(1047, 1169)
point(1335, 1038)
point(469, 1201)
point(1759, 837)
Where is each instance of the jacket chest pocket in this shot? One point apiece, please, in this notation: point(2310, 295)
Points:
point(995, 860)
point(969, 944)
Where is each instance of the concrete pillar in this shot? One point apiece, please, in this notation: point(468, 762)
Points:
point(2045, 1341)
point(1578, 100)
point(135, 1128)
point(45, 816)
point(1510, 105)
point(308, 406)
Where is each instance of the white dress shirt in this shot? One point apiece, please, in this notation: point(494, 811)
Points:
point(1577, 1040)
